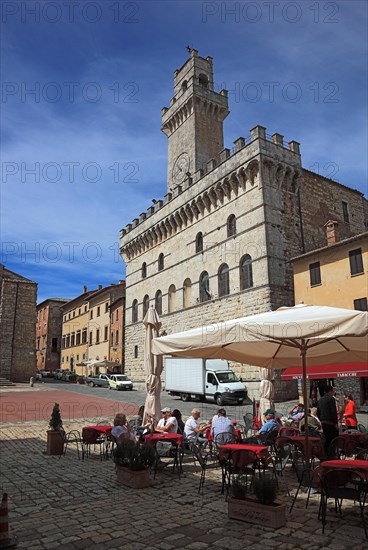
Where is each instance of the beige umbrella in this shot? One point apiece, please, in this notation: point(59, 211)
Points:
point(278, 339)
point(266, 392)
point(152, 367)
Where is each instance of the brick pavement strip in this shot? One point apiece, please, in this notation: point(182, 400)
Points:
point(74, 504)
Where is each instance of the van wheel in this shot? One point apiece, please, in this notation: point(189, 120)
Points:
point(185, 397)
point(218, 400)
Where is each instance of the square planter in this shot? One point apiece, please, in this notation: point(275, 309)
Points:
point(55, 442)
point(131, 478)
point(273, 515)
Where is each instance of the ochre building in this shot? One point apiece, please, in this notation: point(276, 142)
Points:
point(218, 245)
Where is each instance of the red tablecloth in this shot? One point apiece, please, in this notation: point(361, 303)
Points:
point(360, 466)
point(353, 440)
point(152, 439)
point(101, 429)
point(314, 444)
point(287, 432)
point(261, 451)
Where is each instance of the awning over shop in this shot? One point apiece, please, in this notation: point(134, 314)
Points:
point(343, 370)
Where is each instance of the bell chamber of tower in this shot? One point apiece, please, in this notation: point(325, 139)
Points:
point(194, 121)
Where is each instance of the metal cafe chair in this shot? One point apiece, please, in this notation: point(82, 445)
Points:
point(205, 462)
point(342, 485)
point(90, 437)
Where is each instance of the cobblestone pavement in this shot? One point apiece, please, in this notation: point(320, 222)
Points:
point(69, 503)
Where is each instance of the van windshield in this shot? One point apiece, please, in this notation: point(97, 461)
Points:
point(121, 378)
point(228, 376)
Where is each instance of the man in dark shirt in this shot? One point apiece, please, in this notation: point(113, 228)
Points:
point(327, 413)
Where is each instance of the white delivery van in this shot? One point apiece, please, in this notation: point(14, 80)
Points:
point(209, 379)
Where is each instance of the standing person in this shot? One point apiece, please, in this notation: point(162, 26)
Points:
point(193, 432)
point(327, 413)
point(349, 416)
point(167, 424)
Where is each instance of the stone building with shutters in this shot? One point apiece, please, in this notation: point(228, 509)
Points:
point(18, 297)
point(217, 246)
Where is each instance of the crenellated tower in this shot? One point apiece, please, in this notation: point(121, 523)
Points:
point(194, 121)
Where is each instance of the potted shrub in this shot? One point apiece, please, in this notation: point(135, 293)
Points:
point(261, 510)
point(55, 435)
point(133, 462)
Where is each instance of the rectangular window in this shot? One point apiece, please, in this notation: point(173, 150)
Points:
point(106, 307)
point(90, 338)
point(356, 261)
point(79, 311)
point(345, 211)
point(315, 274)
point(73, 313)
point(117, 338)
point(91, 314)
point(77, 357)
point(62, 359)
point(98, 311)
point(361, 304)
point(135, 352)
point(72, 340)
point(117, 315)
point(84, 336)
point(84, 356)
point(68, 341)
point(78, 338)
point(63, 342)
point(106, 335)
point(85, 309)
point(98, 336)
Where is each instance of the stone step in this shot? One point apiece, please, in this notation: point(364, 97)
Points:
point(6, 382)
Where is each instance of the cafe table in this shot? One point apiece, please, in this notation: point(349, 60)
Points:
point(360, 466)
point(314, 444)
point(100, 429)
point(353, 440)
point(225, 451)
point(151, 439)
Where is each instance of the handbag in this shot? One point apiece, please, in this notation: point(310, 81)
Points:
point(165, 448)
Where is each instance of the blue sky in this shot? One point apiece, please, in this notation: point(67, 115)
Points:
point(82, 90)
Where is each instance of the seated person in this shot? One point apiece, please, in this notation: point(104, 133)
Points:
point(168, 423)
point(178, 417)
point(269, 425)
point(295, 414)
point(313, 420)
point(121, 428)
point(192, 431)
point(221, 423)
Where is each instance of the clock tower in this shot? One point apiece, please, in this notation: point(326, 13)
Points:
point(194, 121)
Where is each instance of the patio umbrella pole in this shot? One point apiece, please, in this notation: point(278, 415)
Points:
point(303, 352)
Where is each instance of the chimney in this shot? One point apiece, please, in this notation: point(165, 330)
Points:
point(84, 289)
point(331, 232)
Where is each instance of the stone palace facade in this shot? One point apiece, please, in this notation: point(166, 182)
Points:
point(218, 245)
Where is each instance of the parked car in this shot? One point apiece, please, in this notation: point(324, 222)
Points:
point(58, 374)
point(120, 382)
point(102, 381)
point(62, 375)
point(38, 376)
point(45, 373)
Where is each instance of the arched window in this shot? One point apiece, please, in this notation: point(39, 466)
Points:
point(160, 263)
point(231, 226)
point(187, 293)
point(172, 298)
point(158, 302)
point(184, 86)
point(204, 287)
point(223, 280)
point(144, 270)
point(246, 273)
point(145, 305)
point(135, 311)
point(199, 242)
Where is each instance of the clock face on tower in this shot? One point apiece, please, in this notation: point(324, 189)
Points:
point(181, 167)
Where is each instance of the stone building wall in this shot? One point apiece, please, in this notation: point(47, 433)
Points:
point(17, 326)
